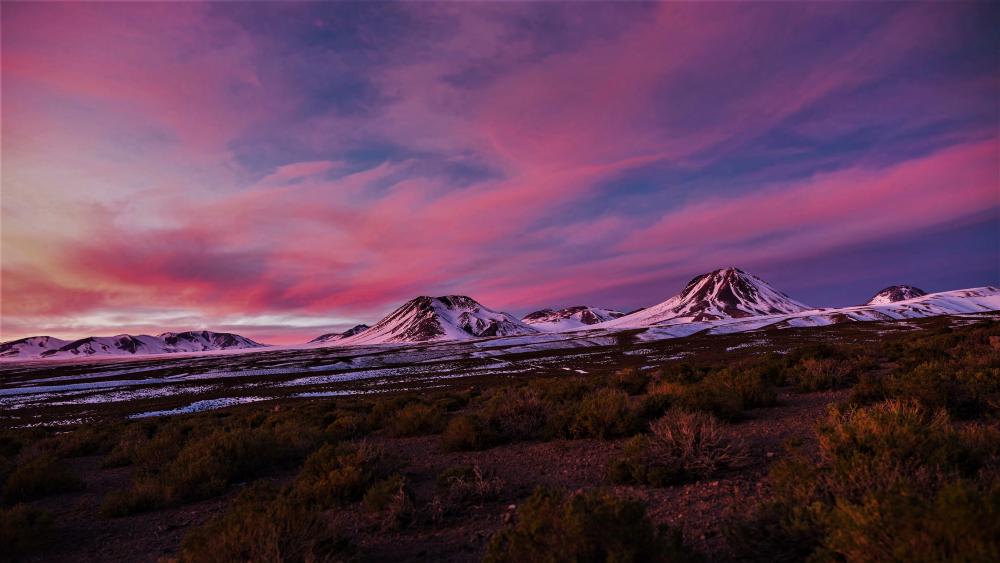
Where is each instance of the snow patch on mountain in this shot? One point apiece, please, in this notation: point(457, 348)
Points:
point(549, 320)
point(432, 319)
point(895, 293)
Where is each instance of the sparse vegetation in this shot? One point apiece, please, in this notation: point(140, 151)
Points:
point(38, 477)
point(593, 526)
point(682, 446)
point(265, 524)
point(416, 420)
point(23, 530)
point(338, 474)
point(893, 481)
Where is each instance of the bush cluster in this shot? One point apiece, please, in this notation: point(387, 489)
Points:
point(267, 524)
point(586, 527)
point(682, 446)
point(893, 481)
point(23, 530)
point(335, 475)
point(204, 466)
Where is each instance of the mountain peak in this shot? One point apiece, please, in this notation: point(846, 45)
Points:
point(895, 293)
point(447, 317)
point(332, 336)
point(125, 345)
point(549, 320)
point(719, 294)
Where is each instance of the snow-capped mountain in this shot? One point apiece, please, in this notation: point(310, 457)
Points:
point(331, 336)
point(428, 319)
point(548, 320)
point(125, 345)
point(723, 294)
point(958, 302)
point(895, 293)
point(33, 346)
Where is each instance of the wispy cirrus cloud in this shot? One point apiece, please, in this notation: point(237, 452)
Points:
point(326, 161)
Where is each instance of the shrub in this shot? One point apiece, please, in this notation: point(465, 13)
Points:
point(83, 441)
point(465, 433)
point(42, 476)
point(515, 414)
point(334, 475)
point(717, 400)
point(392, 500)
point(682, 446)
point(604, 413)
point(893, 481)
point(584, 527)
point(127, 449)
point(631, 380)
point(265, 525)
point(204, 467)
point(965, 391)
point(144, 495)
point(416, 420)
point(815, 374)
point(959, 522)
point(753, 385)
point(469, 483)
point(23, 531)
point(346, 426)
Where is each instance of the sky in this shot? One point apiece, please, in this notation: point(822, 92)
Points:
point(281, 170)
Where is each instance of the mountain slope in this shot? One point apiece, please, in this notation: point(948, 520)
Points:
point(895, 293)
point(30, 347)
point(958, 302)
point(431, 319)
point(548, 320)
point(125, 345)
point(332, 336)
point(723, 294)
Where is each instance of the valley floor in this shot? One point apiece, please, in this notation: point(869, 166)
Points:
point(698, 508)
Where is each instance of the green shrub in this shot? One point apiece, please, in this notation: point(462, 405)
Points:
point(335, 475)
point(263, 524)
point(584, 527)
point(416, 419)
point(604, 413)
point(42, 476)
point(23, 531)
point(682, 446)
